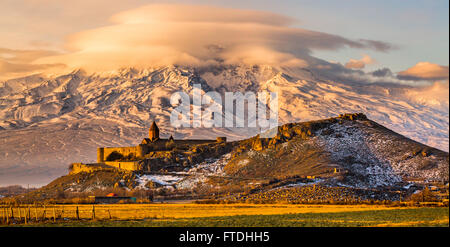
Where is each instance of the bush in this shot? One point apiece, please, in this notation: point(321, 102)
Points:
point(427, 165)
point(114, 156)
point(425, 195)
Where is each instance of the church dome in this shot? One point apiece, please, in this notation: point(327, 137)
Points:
point(153, 132)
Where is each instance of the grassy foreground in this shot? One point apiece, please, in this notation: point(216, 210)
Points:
point(180, 215)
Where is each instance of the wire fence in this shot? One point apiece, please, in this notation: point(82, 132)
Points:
point(25, 214)
point(54, 213)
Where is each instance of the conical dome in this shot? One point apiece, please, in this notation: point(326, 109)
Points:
point(153, 132)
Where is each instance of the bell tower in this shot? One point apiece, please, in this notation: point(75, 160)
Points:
point(153, 132)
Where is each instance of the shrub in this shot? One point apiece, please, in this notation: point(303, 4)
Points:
point(114, 156)
point(427, 165)
point(425, 195)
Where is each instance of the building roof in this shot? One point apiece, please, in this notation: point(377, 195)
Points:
point(146, 141)
point(154, 126)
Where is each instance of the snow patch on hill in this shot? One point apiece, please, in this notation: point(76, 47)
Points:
point(190, 178)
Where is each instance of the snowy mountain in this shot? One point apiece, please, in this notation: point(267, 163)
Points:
point(48, 122)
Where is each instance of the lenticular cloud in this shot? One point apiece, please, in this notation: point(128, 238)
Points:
point(156, 35)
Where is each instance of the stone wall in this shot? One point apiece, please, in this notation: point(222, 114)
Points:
point(158, 155)
point(160, 145)
point(136, 151)
point(125, 165)
point(80, 167)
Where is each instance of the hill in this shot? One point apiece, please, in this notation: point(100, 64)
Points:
point(369, 154)
point(349, 153)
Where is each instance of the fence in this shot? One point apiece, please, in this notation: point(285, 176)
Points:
point(26, 214)
point(55, 214)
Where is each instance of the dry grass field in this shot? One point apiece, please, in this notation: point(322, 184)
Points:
point(223, 215)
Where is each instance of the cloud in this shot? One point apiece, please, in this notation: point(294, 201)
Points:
point(436, 94)
point(359, 64)
point(425, 71)
point(15, 63)
point(384, 72)
point(13, 55)
point(198, 13)
point(40, 43)
point(379, 45)
point(162, 34)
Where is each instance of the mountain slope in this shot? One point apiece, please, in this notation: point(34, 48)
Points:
point(47, 123)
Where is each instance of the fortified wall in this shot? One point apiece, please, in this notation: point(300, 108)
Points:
point(151, 154)
point(88, 168)
point(134, 151)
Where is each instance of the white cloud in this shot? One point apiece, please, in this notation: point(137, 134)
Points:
point(361, 63)
point(425, 71)
point(160, 34)
point(16, 63)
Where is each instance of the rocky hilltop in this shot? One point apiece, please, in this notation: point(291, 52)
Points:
point(363, 153)
point(350, 152)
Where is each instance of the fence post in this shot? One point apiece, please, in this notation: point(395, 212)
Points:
point(77, 213)
point(109, 213)
point(7, 217)
point(25, 220)
point(12, 212)
point(93, 212)
point(54, 214)
point(43, 214)
point(35, 214)
point(20, 214)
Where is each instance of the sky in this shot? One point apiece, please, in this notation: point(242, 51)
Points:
point(419, 27)
point(416, 30)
